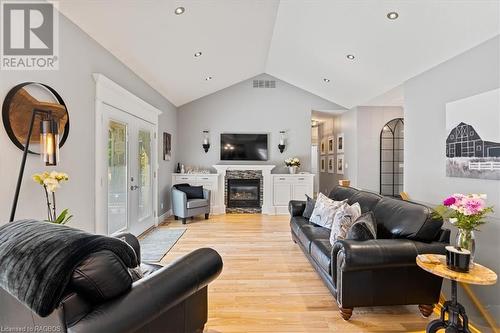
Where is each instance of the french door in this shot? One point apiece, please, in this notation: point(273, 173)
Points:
point(129, 143)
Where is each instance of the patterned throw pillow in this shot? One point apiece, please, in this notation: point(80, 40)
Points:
point(364, 228)
point(324, 211)
point(344, 218)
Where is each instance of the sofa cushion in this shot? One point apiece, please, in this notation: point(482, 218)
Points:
point(321, 251)
point(367, 200)
point(403, 219)
point(310, 232)
point(296, 222)
point(100, 277)
point(195, 203)
point(364, 228)
point(340, 193)
point(192, 192)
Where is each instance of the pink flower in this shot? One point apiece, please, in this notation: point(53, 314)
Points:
point(449, 201)
point(473, 206)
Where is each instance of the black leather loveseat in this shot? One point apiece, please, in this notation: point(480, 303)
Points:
point(380, 271)
point(171, 299)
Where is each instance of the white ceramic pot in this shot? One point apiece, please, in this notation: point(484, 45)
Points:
point(293, 169)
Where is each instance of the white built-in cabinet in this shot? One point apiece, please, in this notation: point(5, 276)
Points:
point(288, 187)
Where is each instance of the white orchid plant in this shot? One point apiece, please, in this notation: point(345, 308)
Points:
point(291, 162)
point(50, 182)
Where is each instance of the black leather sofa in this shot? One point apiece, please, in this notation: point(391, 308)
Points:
point(376, 272)
point(171, 299)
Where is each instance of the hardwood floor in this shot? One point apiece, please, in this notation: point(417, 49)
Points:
point(267, 285)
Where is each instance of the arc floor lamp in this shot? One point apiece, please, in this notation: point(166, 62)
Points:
point(26, 118)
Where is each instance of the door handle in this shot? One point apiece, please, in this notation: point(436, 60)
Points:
point(134, 187)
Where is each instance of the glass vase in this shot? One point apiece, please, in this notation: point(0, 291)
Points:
point(467, 240)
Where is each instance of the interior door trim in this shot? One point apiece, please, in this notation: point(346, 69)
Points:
point(110, 93)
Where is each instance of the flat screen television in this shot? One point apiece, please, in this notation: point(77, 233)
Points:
point(243, 147)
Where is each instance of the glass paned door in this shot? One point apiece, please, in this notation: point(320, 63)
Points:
point(117, 176)
point(145, 175)
point(130, 185)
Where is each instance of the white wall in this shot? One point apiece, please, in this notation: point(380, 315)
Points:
point(371, 120)
point(241, 108)
point(80, 56)
point(361, 126)
point(473, 72)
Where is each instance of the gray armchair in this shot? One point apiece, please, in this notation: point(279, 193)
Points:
point(182, 207)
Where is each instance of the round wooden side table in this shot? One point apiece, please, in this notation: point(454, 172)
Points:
point(457, 321)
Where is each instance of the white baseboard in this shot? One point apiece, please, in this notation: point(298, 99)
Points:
point(162, 217)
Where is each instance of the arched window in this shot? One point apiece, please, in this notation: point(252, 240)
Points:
point(392, 157)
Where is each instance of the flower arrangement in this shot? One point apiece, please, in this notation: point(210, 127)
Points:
point(50, 182)
point(466, 212)
point(292, 162)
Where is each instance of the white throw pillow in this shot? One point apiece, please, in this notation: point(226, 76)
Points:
point(324, 211)
point(344, 218)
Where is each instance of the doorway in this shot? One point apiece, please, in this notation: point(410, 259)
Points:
point(130, 153)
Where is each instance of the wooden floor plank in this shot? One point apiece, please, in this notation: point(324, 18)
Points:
point(267, 285)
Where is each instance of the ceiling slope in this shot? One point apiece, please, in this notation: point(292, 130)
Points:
point(159, 46)
point(300, 42)
point(312, 39)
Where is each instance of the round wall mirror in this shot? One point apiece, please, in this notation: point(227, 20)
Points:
point(17, 112)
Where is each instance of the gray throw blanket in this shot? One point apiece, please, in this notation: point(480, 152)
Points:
point(37, 260)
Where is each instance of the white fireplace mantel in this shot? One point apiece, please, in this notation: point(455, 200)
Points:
point(266, 180)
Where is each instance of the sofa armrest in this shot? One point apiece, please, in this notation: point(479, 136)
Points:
point(153, 295)
point(296, 207)
point(132, 241)
point(179, 203)
point(206, 195)
point(354, 255)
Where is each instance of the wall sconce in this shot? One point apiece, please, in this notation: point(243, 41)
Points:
point(206, 142)
point(281, 145)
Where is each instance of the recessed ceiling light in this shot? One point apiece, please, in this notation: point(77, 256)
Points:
point(392, 15)
point(208, 78)
point(350, 56)
point(179, 10)
point(326, 80)
point(197, 54)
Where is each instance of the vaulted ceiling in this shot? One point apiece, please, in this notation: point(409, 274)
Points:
point(298, 41)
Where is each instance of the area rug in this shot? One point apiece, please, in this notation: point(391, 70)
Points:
point(156, 244)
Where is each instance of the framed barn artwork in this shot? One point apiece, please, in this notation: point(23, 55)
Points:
point(473, 136)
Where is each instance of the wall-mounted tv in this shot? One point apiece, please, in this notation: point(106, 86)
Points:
point(243, 147)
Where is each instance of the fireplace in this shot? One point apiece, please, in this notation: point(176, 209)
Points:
point(243, 193)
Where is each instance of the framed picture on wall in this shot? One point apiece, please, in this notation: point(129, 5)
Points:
point(330, 144)
point(322, 146)
point(167, 146)
point(322, 164)
point(340, 143)
point(331, 164)
point(340, 164)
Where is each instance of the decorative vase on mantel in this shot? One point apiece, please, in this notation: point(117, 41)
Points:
point(467, 240)
point(293, 169)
